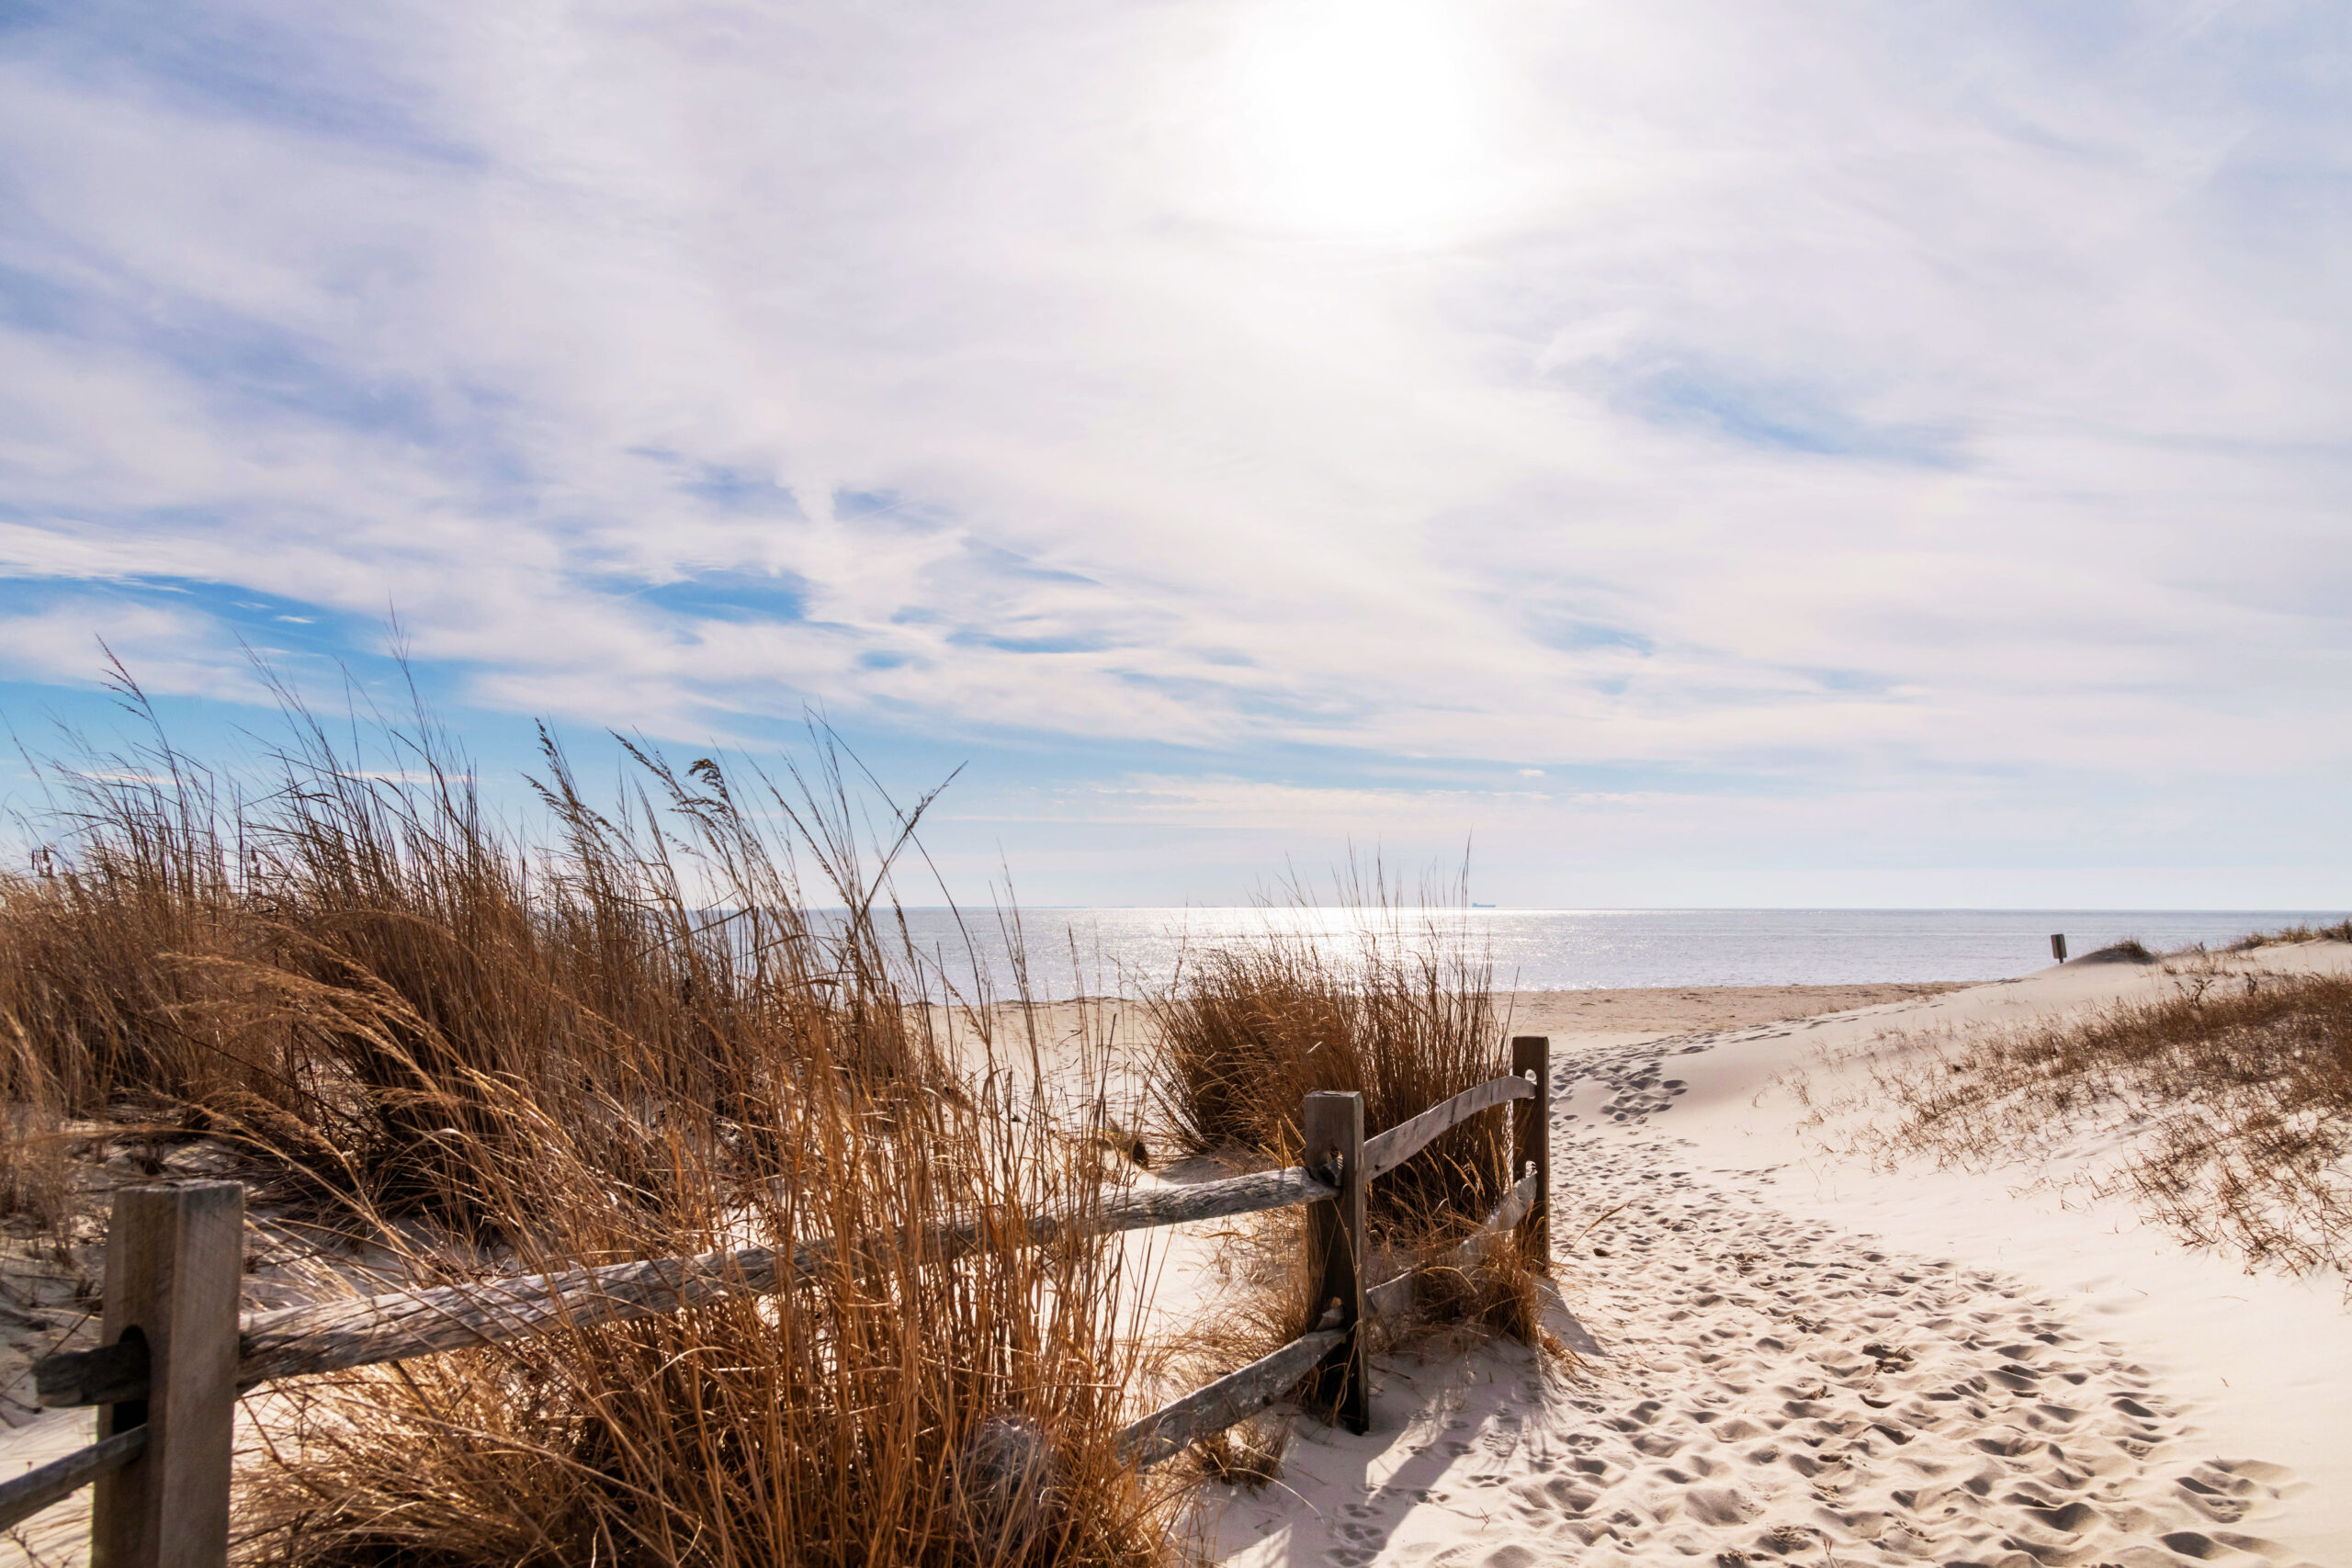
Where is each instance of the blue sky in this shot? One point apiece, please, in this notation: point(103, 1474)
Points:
point(1696, 452)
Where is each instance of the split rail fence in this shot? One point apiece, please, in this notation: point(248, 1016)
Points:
point(176, 1354)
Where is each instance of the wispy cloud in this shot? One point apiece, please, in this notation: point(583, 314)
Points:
point(1828, 401)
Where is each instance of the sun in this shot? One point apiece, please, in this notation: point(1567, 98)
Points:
point(1373, 120)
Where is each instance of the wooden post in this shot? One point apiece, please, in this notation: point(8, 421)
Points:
point(1334, 1125)
point(1531, 1141)
point(174, 1256)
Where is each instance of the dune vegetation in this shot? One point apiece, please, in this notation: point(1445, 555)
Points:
point(1400, 1008)
point(2293, 935)
point(681, 1020)
point(2235, 1093)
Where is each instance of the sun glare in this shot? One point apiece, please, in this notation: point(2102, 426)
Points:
point(1377, 119)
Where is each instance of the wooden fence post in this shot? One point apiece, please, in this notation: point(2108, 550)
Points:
point(1334, 1125)
point(1530, 1140)
point(174, 1256)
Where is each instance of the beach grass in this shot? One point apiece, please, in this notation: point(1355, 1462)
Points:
point(2238, 1087)
point(2293, 934)
point(1404, 1016)
point(1399, 1008)
point(445, 1052)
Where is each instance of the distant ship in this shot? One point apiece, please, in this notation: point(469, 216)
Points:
point(1478, 906)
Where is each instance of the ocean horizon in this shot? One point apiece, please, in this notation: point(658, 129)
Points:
point(1089, 950)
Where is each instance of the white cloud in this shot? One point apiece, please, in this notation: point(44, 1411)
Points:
point(1855, 397)
point(173, 652)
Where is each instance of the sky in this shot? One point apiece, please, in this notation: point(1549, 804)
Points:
point(1675, 452)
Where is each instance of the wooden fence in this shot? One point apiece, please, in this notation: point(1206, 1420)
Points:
point(176, 1354)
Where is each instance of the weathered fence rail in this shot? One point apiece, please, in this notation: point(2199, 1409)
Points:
point(1244, 1392)
point(177, 1355)
point(1524, 1214)
point(1235, 1396)
point(398, 1326)
point(1402, 1142)
point(27, 1495)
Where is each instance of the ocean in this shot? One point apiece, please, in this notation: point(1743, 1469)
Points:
point(1094, 951)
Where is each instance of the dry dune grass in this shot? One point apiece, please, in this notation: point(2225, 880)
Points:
point(1403, 1012)
point(1493, 1292)
point(465, 1053)
point(2238, 1089)
point(895, 1410)
point(35, 1175)
point(2285, 935)
point(1405, 1016)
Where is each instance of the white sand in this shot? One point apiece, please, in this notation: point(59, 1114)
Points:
point(1806, 1358)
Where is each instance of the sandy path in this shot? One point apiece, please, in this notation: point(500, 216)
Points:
point(1773, 1388)
point(1779, 1382)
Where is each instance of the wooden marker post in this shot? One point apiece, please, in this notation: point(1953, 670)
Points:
point(174, 1255)
point(1531, 1144)
point(1334, 1125)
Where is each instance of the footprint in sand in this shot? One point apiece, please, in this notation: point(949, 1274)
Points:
point(1775, 1391)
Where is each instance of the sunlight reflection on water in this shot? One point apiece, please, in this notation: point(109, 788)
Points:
point(1126, 951)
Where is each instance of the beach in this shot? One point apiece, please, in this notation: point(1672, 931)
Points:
point(1802, 1356)
point(811, 785)
point(1789, 1348)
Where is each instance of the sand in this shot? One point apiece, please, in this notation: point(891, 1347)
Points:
point(1690, 1009)
point(1804, 1358)
point(1798, 1356)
